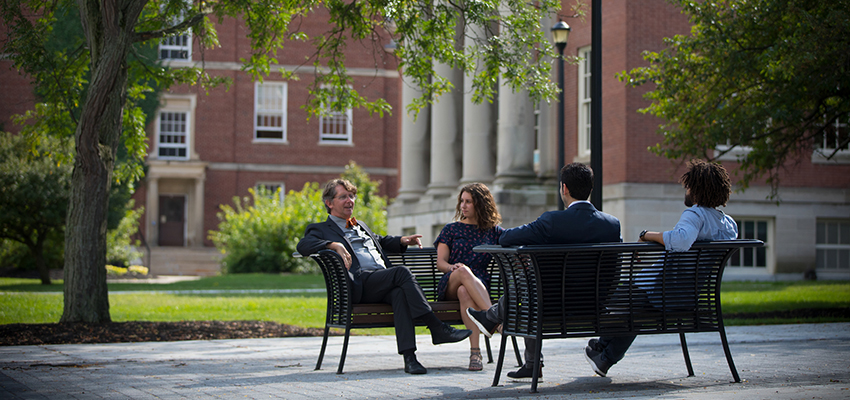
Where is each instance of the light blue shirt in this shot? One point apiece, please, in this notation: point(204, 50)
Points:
point(364, 247)
point(699, 223)
point(696, 223)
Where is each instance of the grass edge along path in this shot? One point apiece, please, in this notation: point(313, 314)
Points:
point(259, 297)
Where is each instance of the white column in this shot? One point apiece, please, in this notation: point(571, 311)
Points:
point(446, 137)
point(479, 132)
point(515, 164)
point(152, 211)
point(415, 147)
point(197, 240)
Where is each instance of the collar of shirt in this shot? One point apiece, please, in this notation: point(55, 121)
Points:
point(339, 221)
point(575, 202)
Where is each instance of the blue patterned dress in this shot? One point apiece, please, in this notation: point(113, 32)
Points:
point(461, 238)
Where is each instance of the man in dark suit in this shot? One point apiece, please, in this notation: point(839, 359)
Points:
point(373, 281)
point(580, 222)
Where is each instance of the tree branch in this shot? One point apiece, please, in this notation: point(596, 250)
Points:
point(186, 24)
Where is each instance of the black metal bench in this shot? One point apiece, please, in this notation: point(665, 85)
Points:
point(344, 314)
point(612, 289)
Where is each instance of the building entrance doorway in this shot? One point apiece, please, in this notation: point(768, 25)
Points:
point(172, 220)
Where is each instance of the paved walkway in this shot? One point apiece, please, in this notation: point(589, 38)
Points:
point(809, 361)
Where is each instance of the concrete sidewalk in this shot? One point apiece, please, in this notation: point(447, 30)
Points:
point(776, 362)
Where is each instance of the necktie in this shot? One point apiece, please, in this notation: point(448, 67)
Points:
point(351, 223)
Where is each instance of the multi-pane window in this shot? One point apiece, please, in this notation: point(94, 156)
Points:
point(272, 189)
point(584, 70)
point(835, 137)
point(752, 257)
point(172, 140)
point(833, 245)
point(177, 47)
point(270, 111)
point(335, 126)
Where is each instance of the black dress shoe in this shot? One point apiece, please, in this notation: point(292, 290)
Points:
point(524, 374)
point(448, 334)
point(412, 365)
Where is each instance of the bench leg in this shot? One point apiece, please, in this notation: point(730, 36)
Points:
point(728, 354)
point(535, 374)
point(344, 350)
point(501, 359)
point(686, 354)
point(322, 352)
point(516, 352)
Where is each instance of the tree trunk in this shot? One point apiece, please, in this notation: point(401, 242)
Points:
point(38, 255)
point(109, 28)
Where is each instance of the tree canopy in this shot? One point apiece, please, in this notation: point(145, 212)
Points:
point(34, 191)
point(498, 43)
point(766, 79)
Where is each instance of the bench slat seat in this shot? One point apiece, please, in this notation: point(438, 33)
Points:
point(612, 289)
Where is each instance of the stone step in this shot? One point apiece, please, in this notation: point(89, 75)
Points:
point(200, 261)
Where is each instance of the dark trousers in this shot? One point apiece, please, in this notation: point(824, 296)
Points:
point(614, 347)
point(397, 287)
point(496, 314)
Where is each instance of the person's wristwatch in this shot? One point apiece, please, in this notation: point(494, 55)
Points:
point(642, 233)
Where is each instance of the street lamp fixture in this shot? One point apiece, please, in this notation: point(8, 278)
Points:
point(560, 35)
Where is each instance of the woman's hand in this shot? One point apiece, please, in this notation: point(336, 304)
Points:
point(455, 266)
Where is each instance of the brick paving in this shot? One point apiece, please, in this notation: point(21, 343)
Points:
point(776, 362)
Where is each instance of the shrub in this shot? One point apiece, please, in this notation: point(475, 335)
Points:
point(120, 248)
point(259, 234)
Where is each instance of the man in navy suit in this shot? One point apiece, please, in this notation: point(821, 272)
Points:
point(373, 281)
point(580, 222)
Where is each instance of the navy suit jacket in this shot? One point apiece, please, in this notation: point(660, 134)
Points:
point(318, 235)
point(581, 223)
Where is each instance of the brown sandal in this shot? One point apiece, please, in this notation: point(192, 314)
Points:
point(475, 363)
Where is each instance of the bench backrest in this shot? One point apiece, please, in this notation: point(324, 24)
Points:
point(422, 262)
point(613, 288)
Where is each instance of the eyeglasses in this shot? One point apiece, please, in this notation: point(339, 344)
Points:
point(346, 197)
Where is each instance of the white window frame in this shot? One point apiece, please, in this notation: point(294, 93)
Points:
point(171, 44)
point(584, 101)
point(273, 186)
point(330, 121)
point(842, 250)
point(187, 129)
point(742, 253)
point(272, 111)
point(824, 148)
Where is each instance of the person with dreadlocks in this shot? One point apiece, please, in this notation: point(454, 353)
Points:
point(707, 186)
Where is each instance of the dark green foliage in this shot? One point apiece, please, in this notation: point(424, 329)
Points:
point(34, 192)
point(766, 76)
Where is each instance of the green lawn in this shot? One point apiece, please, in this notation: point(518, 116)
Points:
point(27, 301)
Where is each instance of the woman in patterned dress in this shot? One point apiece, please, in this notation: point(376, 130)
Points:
point(466, 279)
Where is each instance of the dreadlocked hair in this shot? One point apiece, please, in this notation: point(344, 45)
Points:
point(485, 206)
point(709, 183)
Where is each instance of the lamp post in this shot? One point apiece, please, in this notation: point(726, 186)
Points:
point(560, 35)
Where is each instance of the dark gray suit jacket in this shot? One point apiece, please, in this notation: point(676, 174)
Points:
point(318, 235)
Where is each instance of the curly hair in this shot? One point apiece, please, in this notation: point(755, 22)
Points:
point(485, 206)
point(330, 190)
point(709, 183)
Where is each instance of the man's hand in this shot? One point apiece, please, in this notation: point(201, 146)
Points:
point(340, 249)
point(411, 240)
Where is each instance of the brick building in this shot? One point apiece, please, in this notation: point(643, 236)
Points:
point(206, 148)
point(511, 146)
